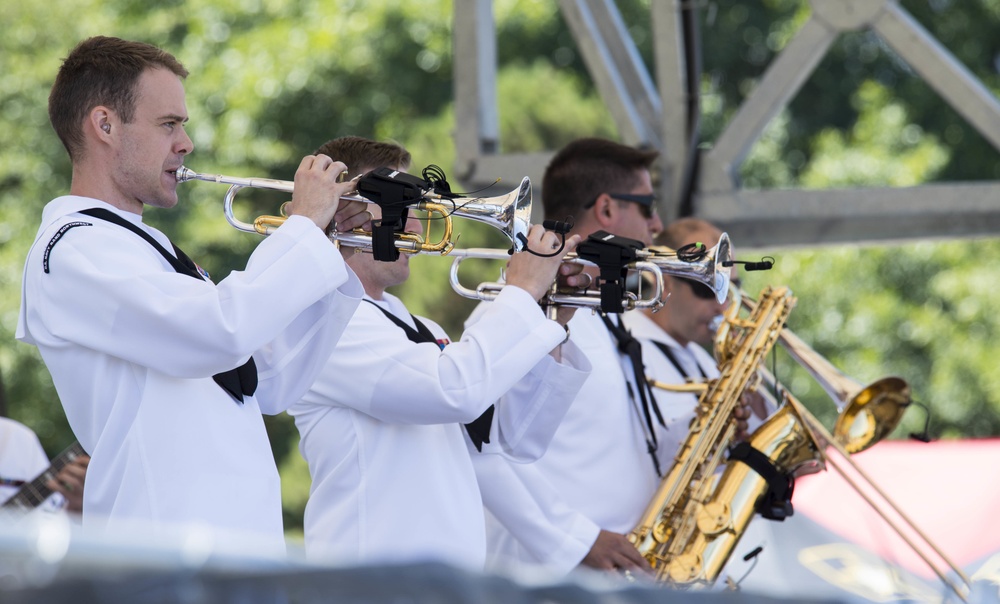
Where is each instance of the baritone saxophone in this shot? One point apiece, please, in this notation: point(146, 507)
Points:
point(698, 514)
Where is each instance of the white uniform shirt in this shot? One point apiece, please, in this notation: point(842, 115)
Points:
point(597, 473)
point(132, 347)
point(22, 458)
point(389, 457)
point(677, 407)
point(696, 362)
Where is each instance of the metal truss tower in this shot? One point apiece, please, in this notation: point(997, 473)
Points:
point(705, 182)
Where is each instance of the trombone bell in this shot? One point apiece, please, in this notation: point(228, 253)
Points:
point(872, 414)
point(866, 414)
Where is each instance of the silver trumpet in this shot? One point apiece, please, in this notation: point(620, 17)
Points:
point(655, 261)
point(510, 214)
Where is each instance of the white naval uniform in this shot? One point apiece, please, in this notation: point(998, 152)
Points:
point(695, 360)
point(389, 458)
point(132, 347)
point(677, 407)
point(597, 473)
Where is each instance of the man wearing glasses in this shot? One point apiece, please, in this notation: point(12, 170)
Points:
point(574, 505)
point(677, 341)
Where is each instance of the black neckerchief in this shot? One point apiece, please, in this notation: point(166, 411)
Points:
point(238, 382)
point(667, 352)
point(631, 348)
point(478, 429)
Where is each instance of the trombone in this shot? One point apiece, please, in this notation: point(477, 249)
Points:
point(654, 261)
point(866, 414)
point(510, 213)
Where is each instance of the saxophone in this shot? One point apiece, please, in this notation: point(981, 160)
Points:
point(698, 515)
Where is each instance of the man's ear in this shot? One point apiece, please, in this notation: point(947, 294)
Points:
point(605, 211)
point(100, 122)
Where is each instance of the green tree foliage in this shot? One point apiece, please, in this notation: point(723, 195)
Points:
point(270, 81)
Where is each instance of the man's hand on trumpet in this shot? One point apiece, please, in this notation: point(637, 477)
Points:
point(317, 194)
point(535, 274)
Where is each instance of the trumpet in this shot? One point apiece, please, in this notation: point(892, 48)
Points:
point(509, 213)
point(654, 262)
point(590, 298)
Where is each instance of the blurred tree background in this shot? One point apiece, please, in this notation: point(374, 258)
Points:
point(270, 81)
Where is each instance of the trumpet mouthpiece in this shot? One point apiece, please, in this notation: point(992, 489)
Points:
point(183, 174)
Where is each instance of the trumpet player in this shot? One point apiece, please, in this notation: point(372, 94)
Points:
point(163, 374)
point(390, 449)
point(575, 504)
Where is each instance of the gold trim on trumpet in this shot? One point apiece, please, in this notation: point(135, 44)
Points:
point(509, 213)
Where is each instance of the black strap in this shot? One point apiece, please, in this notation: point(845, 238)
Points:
point(479, 428)
point(393, 191)
point(238, 382)
point(667, 352)
point(612, 255)
point(630, 347)
point(776, 504)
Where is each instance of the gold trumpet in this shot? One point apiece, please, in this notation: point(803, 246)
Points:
point(510, 213)
point(655, 261)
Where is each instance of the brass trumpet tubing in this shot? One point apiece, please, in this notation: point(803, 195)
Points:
point(488, 291)
point(510, 213)
point(408, 243)
point(711, 271)
point(714, 272)
point(185, 174)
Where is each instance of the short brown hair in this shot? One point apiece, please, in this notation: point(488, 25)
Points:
point(101, 71)
point(587, 167)
point(362, 154)
point(686, 230)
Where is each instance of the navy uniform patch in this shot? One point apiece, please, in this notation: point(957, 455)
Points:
point(55, 239)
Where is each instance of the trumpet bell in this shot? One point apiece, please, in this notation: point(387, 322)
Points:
point(510, 213)
point(712, 269)
point(872, 414)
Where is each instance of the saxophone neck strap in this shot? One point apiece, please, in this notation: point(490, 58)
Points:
point(669, 353)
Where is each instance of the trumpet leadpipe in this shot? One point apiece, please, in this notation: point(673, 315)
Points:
point(510, 213)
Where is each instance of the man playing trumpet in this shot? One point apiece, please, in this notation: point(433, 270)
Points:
point(163, 374)
point(392, 476)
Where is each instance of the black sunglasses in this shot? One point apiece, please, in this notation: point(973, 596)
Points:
point(700, 290)
point(647, 201)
